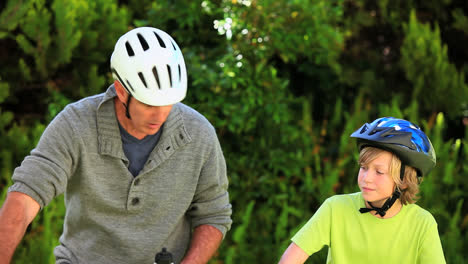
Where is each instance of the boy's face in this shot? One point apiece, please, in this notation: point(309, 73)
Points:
point(375, 181)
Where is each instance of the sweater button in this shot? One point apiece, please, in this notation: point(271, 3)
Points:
point(135, 201)
point(137, 181)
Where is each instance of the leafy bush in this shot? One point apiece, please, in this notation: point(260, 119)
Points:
point(437, 84)
point(284, 82)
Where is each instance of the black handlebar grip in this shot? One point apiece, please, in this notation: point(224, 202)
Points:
point(163, 257)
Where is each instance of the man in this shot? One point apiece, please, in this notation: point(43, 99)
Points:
point(140, 170)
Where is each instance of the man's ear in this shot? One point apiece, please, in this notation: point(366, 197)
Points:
point(121, 92)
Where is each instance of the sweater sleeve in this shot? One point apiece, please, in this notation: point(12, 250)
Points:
point(315, 234)
point(210, 205)
point(44, 173)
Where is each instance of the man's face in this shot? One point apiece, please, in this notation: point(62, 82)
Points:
point(145, 119)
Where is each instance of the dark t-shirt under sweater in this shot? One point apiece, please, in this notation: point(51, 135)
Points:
point(138, 150)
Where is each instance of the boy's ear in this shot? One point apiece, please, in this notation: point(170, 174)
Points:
point(120, 90)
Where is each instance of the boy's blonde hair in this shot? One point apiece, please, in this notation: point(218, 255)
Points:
point(409, 187)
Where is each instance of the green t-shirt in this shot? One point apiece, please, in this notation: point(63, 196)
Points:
point(411, 236)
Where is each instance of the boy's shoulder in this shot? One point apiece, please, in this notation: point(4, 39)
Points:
point(346, 198)
point(422, 215)
point(346, 201)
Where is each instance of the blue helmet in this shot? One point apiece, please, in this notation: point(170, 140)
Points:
point(401, 137)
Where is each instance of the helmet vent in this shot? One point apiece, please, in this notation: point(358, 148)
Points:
point(121, 81)
point(156, 76)
point(143, 42)
point(170, 74)
point(130, 51)
point(180, 75)
point(173, 46)
point(161, 42)
point(142, 79)
point(129, 85)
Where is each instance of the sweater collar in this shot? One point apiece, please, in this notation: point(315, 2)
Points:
point(174, 134)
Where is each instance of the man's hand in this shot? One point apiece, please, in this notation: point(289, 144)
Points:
point(16, 214)
point(205, 241)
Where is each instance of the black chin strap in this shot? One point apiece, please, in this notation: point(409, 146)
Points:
point(382, 210)
point(390, 201)
point(127, 113)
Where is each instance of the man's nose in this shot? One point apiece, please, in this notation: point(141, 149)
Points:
point(160, 112)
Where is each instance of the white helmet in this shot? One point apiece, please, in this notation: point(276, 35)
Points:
point(150, 65)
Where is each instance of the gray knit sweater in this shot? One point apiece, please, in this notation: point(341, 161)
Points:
point(111, 216)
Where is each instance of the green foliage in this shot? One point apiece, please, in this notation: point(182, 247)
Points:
point(67, 15)
point(11, 16)
point(436, 82)
point(5, 154)
point(284, 83)
point(460, 20)
point(17, 141)
point(36, 40)
point(60, 46)
point(239, 250)
point(76, 22)
point(443, 189)
point(4, 90)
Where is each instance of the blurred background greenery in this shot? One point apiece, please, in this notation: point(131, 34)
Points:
point(284, 82)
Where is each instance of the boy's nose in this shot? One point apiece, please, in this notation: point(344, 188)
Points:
point(367, 176)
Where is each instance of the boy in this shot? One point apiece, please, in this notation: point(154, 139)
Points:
point(380, 224)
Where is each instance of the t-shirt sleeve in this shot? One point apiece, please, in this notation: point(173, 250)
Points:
point(315, 234)
point(431, 247)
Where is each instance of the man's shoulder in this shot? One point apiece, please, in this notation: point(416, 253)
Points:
point(193, 119)
point(191, 114)
point(93, 102)
point(82, 103)
point(81, 113)
point(90, 102)
point(195, 123)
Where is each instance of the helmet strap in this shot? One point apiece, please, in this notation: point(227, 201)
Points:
point(390, 201)
point(127, 113)
point(382, 210)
